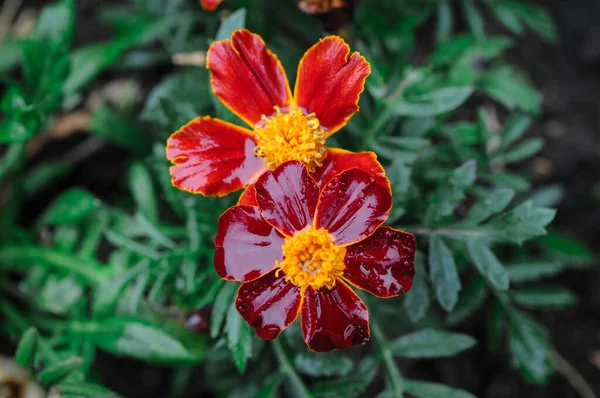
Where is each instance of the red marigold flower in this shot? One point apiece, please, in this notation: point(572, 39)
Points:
point(319, 6)
point(210, 5)
point(300, 247)
point(213, 157)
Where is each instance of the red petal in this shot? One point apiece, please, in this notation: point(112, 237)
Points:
point(210, 5)
point(247, 77)
point(247, 247)
point(382, 264)
point(338, 160)
point(330, 81)
point(269, 304)
point(352, 206)
point(287, 197)
point(212, 157)
point(248, 196)
point(335, 318)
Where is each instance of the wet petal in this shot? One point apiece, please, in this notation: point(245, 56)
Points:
point(382, 264)
point(338, 160)
point(330, 81)
point(212, 157)
point(352, 206)
point(269, 304)
point(248, 196)
point(287, 197)
point(247, 77)
point(335, 318)
point(247, 247)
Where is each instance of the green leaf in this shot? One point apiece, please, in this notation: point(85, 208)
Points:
point(487, 264)
point(532, 271)
point(494, 326)
point(536, 18)
point(507, 180)
point(221, 306)
point(430, 343)
point(71, 207)
point(56, 22)
point(504, 14)
point(474, 19)
point(469, 302)
point(238, 338)
point(527, 149)
point(548, 196)
point(565, 249)
point(11, 53)
point(443, 273)
point(323, 365)
point(450, 192)
point(431, 104)
point(422, 389)
point(490, 205)
point(25, 354)
point(78, 390)
point(140, 183)
point(235, 21)
point(505, 85)
point(120, 129)
point(529, 348)
point(269, 389)
point(348, 386)
point(444, 21)
point(416, 301)
point(514, 128)
point(58, 371)
point(139, 339)
point(60, 294)
point(449, 51)
point(544, 297)
point(107, 296)
point(522, 223)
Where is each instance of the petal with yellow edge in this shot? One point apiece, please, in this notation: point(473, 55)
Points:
point(210, 5)
point(383, 264)
point(247, 77)
point(330, 81)
point(339, 160)
point(212, 157)
point(269, 304)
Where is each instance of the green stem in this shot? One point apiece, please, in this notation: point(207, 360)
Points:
point(394, 375)
point(286, 367)
point(16, 255)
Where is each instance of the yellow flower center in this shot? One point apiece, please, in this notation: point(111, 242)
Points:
point(290, 135)
point(312, 259)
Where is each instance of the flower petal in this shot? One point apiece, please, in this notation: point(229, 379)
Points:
point(338, 160)
point(287, 197)
point(212, 157)
point(247, 77)
point(210, 5)
point(330, 81)
point(269, 304)
point(352, 206)
point(335, 318)
point(247, 247)
point(248, 196)
point(382, 264)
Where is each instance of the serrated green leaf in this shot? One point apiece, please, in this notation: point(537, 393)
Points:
point(523, 151)
point(444, 21)
point(238, 338)
point(566, 249)
point(532, 271)
point(142, 189)
point(323, 365)
point(487, 264)
point(522, 223)
point(423, 389)
point(443, 274)
point(514, 129)
point(474, 19)
point(536, 18)
point(70, 207)
point(348, 386)
point(58, 371)
point(504, 14)
point(544, 297)
point(79, 390)
point(221, 306)
point(450, 50)
point(431, 104)
point(430, 343)
point(451, 192)
point(107, 296)
point(25, 353)
point(56, 22)
point(490, 205)
point(504, 84)
point(416, 301)
point(60, 294)
point(469, 302)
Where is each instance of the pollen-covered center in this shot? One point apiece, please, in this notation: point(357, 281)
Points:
point(312, 259)
point(290, 135)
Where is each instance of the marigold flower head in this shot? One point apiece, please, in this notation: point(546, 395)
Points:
point(319, 6)
point(213, 157)
point(302, 245)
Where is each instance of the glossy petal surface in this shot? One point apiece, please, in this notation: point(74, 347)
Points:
point(335, 318)
point(352, 206)
point(248, 196)
point(212, 157)
point(382, 264)
point(269, 304)
point(247, 247)
point(330, 81)
point(247, 77)
point(338, 160)
point(210, 5)
point(287, 197)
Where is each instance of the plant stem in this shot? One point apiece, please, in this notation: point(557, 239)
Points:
point(394, 375)
point(286, 367)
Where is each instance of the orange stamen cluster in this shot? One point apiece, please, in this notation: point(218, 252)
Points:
point(312, 259)
point(290, 135)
